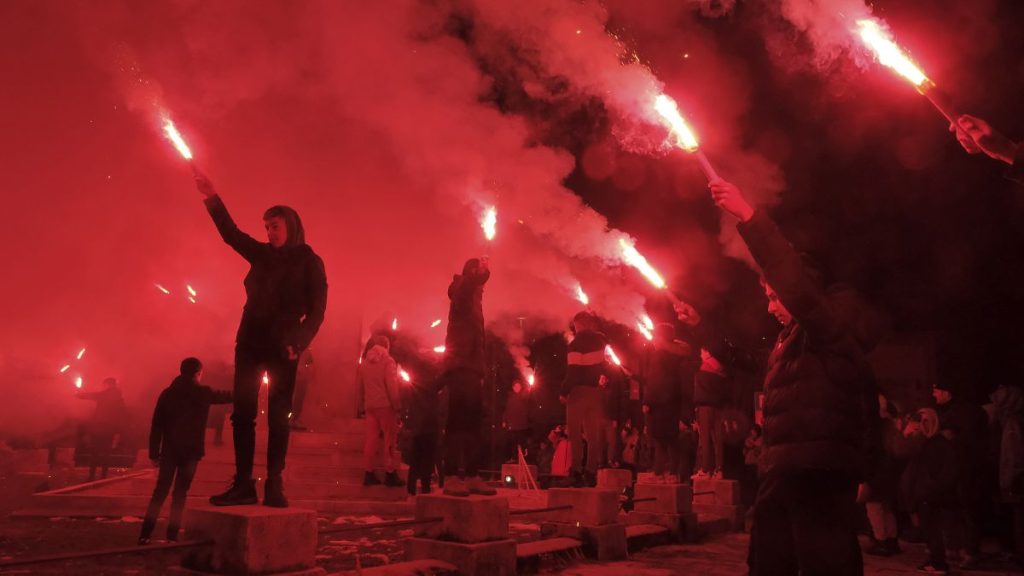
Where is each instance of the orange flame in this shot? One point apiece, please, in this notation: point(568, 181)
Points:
point(645, 331)
point(65, 368)
point(394, 324)
point(435, 323)
point(175, 137)
point(582, 296)
point(632, 257)
point(162, 289)
point(647, 321)
point(404, 375)
point(531, 379)
point(266, 378)
point(889, 54)
point(190, 290)
point(666, 107)
point(80, 354)
point(612, 355)
point(490, 223)
point(78, 381)
point(439, 349)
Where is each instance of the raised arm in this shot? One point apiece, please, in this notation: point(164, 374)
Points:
point(244, 244)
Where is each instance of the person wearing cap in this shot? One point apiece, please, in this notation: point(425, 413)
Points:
point(177, 442)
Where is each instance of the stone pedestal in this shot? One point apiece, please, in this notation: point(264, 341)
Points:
point(614, 479)
point(510, 474)
point(605, 543)
point(721, 492)
point(252, 539)
point(670, 498)
point(467, 520)
point(497, 558)
point(682, 527)
point(590, 506)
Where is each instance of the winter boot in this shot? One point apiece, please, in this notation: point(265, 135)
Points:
point(455, 486)
point(241, 492)
point(391, 480)
point(273, 492)
point(477, 486)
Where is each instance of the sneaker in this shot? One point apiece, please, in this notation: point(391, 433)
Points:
point(370, 479)
point(391, 480)
point(240, 493)
point(929, 568)
point(455, 486)
point(477, 486)
point(879, 548)
point(273, 492)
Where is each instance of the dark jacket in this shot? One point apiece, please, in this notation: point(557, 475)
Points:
point(464, 341)
point(820, 399)
point(667, 373)
point(110, 414)
point(586, 361)
point(423, 407)
point(616, 398)
point(179, 420)
point(285, 289)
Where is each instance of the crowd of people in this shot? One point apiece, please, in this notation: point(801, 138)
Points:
point(827, 455)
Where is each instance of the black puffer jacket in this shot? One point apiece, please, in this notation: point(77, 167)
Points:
point(285, 289)
point(179, 420)
point(464, 341)
point(821, 406)
point(668, 372)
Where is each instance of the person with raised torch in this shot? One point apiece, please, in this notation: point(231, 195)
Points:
point(286, 296)
point(820, 408)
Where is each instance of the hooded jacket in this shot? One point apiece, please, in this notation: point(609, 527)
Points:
point(179, 420)
point(464, 340)
point(821, 404)
point(378, 380)
point(285, 289)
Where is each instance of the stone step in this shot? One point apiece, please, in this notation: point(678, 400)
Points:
point(547, 546)
point(642, 530)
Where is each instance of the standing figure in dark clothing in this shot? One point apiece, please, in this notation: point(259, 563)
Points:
point(423, 424)
point(820, 407)
point(286, 296)
point(464, 368)
point(177, 442)
point(104, 429)
point(668, 399)
point(587, 368)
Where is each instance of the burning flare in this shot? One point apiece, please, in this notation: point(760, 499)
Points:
point(531, 379)
point(612, 355)
point(582, 296)
point(80, 354)
point(647, 321)
point(78, 381)
point(666, 107)
point(404, 375)
point(881, 43)
point(162, 289)
point(490, 222)
point(266, 378)
point(65, 368)
point(645, 330)
point(435, 323)
point(191, 290)
point(175, 137)
point(632, 257)
point(439, 349)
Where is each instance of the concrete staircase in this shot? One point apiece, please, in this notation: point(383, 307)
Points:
point(324, 472)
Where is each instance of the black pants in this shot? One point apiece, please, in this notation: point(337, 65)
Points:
point(181, 473)
point(943, 526)
point(462, 434)
point(250, 364)
point(421, 465)
point(805, 522)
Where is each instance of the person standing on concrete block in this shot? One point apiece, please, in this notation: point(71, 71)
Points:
point(713, 389)
point(104, 428)
point(820, 408)
point(378, 391)
point(423, 424)
point(177, 442)
point(668, 399)
point(464, 368)
point(584, 402)
point(286, 296)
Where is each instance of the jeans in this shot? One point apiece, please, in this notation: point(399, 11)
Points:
point(378, 421)
point(250, 363)
point(181, 473)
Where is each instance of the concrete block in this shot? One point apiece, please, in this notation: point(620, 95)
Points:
point(513, 471)
point(614, 478)
point(497, 558)
point(591, 506)
point(670, 498)
point(646, 478)
point(723, 492)
point(252, 539)
point(733, 516)
point(467, 520)
point(682, 527)
point(605, 543)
